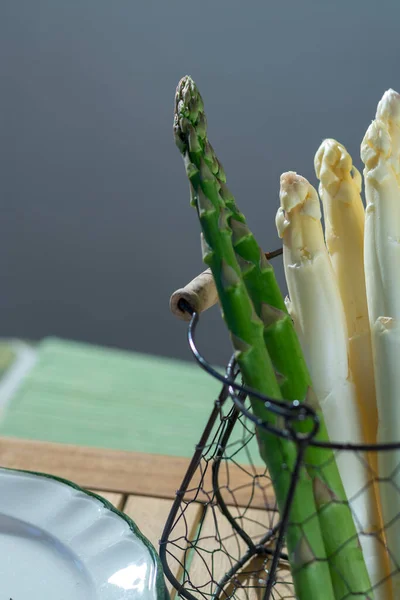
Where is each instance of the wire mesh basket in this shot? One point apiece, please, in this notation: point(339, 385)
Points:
point(224, 536)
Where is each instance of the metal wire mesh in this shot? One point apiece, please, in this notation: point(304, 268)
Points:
point(224, 537)
point(227, 549)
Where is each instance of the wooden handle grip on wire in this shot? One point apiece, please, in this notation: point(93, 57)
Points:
point(200, 293)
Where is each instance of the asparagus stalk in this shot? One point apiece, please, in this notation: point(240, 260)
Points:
point(320, 317)
point(380, 152)
point(347, 565)
point(304, 541)
point(340, 192)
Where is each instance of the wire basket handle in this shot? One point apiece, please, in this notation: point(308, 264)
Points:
point(200, 293)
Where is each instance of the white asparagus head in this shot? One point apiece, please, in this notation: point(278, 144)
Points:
point(381, 144)
point(298, 219)
point(380, 152)
point(335, 170)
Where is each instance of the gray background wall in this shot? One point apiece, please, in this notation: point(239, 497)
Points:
point(96, 229)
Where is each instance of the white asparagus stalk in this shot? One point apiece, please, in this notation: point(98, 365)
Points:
point(340, 192)
point(320, 319)
point(380, 152)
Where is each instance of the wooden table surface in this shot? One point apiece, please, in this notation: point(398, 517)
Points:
point(144, 486)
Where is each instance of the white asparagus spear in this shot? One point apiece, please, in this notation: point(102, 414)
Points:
point(320, 319)
point(340, 192)
point(380, 152)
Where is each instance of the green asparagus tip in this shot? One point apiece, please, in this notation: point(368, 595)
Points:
point(189, 110)
point(190, 130)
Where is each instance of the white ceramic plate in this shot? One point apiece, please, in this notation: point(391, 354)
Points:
point(58, 542)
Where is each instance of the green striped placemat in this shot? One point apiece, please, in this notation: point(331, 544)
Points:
point(87, 395)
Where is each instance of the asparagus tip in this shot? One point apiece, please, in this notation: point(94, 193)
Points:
point(298, 219)
point(294, 190)
point(330, 156)
point(189, 111)
point(376, 143)
point(296, 194)
point(292, 178)
point(379, 141)
point(389, 107)
point(333, 165)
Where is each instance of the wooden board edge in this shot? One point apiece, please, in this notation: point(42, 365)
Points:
point(115, 471)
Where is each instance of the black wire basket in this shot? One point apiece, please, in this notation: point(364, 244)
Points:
point(224, 536)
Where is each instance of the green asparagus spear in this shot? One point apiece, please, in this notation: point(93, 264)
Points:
point(304, 541)
point(348, 568)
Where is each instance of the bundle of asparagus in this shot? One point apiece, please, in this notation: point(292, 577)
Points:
point(206, 178)
point(321, 538)
point(316, 308)
point(345, 302)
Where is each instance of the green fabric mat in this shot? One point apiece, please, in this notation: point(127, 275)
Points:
point(93, 396)
point(7, 357)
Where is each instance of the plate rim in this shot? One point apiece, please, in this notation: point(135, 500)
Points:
point(161, 588)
